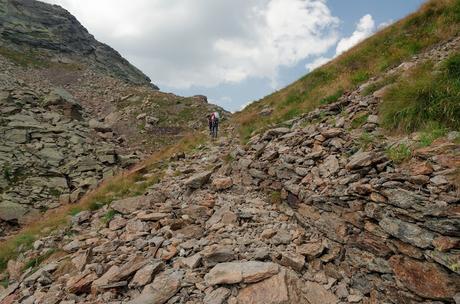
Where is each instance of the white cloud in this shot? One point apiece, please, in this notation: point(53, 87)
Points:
point(317, 63)
point(365, 28)
point(182, 43)
point(385, 24)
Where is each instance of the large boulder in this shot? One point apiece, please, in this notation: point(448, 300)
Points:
point(427, 280)
point(282, 288)
point(12, 211)
point(163, 287)
point(131, 204)
point(198, 180)
point(236, 272)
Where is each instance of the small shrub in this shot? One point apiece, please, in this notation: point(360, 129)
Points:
point(54, 192)
point(359, 121)
point(399, 153)
point(5, 283)
point(275, 197)
point(7, 174)
point(366, 140)
point(93, 206)
point(109, 216)
point(332, 98)
point(360, 77)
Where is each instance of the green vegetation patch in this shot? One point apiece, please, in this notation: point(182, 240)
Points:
point(431, 132)
point(359, 120)
point(377, 85)
point(399, 153)
point(36, 261)
point(426, 98)
point(332, 98)
point(275, 197)
point(25, 59)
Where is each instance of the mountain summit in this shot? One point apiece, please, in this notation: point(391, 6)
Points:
point(52, 32)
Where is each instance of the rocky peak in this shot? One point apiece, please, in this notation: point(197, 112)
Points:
point(51, 31)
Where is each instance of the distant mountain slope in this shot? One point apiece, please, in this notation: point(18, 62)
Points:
point(52, 31)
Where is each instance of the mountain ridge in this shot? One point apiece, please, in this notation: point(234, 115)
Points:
point(52, 29)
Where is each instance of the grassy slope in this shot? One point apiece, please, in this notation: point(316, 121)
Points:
point(435, 21)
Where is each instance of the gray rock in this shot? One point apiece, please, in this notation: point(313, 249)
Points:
point(236, 272)
point(407, 232)
point(217, 296)
point(164, 287)
point(198, 180)
point(11, 211)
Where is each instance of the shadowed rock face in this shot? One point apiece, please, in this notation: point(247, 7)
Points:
point(30, 24)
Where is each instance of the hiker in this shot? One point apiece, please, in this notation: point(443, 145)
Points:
point(214, 119)
point(210, 123)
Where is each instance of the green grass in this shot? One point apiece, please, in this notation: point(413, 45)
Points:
point(399, 153)
point(5, 283)
point(24, 59)
point(360, 77)
point(275, 197)
point(366, 140)
point(22, 242)
point(431, 132)
point(109, 216)
point(377, 85)
point(332, 98)
point(36, 261)
point(359, 121)
point(7, 174)
point(425, 97)
point(436, 21)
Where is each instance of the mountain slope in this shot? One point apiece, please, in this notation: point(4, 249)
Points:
point(325, 211)
point(53, 33)
point(435, 22)
point(73, 112)
point(337, 205)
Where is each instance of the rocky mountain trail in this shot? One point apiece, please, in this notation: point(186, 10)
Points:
point(307, 212)
point(74, 112)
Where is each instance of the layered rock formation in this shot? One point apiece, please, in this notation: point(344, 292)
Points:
point(307, 212)
point(49, 154)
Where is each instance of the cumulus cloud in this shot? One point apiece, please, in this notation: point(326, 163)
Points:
point(365, 28)
point(182, 43)
point(317, 63)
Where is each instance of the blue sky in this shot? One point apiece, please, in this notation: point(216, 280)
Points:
point(233, 51)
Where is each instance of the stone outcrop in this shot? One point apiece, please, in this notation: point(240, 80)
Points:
point(49, 155)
